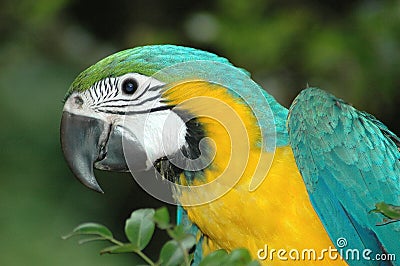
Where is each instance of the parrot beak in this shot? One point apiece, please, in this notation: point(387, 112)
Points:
point(92, 142)
point(83, 142)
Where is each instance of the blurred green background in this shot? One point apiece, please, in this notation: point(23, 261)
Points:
point(350, 48)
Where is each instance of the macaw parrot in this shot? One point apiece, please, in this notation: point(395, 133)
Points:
point(248, 172)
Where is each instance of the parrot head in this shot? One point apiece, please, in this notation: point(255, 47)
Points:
point(108, 105)
point(122, 108)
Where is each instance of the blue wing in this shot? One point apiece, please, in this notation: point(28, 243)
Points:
point(349, 161)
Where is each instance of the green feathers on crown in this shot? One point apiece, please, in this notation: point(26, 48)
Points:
point(145, 60)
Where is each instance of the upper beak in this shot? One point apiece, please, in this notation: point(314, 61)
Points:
point(83, 142)
point(89, 142)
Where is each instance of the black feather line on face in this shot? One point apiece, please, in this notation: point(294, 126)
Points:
point(195, 133)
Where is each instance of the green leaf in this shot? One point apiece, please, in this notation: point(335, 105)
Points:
point(139, 228)
point(178, 232)
point(240, 256)
point(216, 258)
point(161, 217)
point(90, 229)
point(389, 210)
point(126, 248)
point(253, 263)
point(171, 254)
point(86, 240)
point(188, 241)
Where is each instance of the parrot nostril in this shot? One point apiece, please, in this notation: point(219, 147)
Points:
point(78, 100)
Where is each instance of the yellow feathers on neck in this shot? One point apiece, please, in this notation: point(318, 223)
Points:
point(230, 126)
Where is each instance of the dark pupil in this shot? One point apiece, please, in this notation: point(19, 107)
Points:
point(129, 86)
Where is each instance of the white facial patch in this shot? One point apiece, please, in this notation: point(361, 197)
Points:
point(78, 104)
point(158, 128)
point(161, 133)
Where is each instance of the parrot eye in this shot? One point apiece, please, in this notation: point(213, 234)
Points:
point(129, 86)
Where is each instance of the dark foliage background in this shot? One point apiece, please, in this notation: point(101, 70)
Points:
point(350, 48)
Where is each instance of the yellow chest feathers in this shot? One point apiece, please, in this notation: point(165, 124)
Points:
point(277, 214)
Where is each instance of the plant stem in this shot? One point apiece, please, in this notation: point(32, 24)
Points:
point(145, 258)
point(115, 241)
point(185, 254)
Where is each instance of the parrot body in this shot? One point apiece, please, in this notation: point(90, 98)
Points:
point(255, 174)
point(279, 211)
point(283, 196)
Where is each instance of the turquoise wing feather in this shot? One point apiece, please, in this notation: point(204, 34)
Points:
point(349, 161)
point(182, 218)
